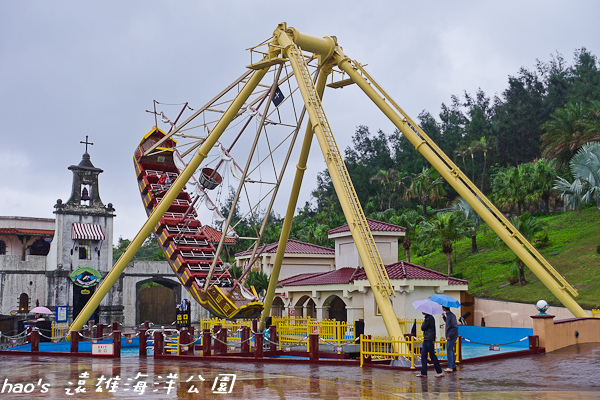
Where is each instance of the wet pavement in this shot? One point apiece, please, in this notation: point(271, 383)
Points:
point(572, 373)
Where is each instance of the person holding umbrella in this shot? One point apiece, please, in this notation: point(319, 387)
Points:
point(428, 308)
point(451, 336)
point(451, 326)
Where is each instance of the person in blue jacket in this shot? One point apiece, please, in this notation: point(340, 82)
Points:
point(451, 336)
point(428, 349)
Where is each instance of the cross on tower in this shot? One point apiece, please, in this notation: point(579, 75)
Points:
point(86, 143)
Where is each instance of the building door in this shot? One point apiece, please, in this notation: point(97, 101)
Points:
point(81, 295)
point(157, 304)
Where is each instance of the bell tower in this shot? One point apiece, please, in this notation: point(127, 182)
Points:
point(81, 252)
point(85, 197)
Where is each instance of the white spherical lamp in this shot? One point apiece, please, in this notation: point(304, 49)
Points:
point(542, 306)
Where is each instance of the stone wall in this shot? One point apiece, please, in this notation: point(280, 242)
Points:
point(556, 335)
point(17, 277)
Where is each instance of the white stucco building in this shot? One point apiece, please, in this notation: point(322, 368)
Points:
point(344, 292)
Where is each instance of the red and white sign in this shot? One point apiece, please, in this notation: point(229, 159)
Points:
point(103, 349)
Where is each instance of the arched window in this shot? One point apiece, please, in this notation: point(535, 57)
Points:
point(2, 248)
point(84, 252)
point(39, 248)
point(23, 302)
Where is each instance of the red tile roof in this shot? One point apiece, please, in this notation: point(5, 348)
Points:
point(22, 231)
point(214, 236)
point(406, 270)
point(293, 247)
point(399, 270)
point(338, 276)
point(374, 226)
point(299, 277)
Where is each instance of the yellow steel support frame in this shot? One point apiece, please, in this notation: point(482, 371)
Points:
point(154, 218)
point(289, 215)
point(357, 223)
point(459, 181)
point(286, 42)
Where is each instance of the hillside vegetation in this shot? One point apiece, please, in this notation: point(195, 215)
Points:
point(571, 250)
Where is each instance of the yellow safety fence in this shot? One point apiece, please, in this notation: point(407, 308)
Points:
point(59, 331)
point(596, 313)
point(234, 328)
point(383, 348)
point(172, 344)
point(407, 324)
point(295, 331)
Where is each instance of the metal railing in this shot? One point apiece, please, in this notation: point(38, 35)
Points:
point(407, 324)
point(383, 348)
point(295, 331)
point(234, 328)
point(59, 331)
point(292, 331)
point(172, 344)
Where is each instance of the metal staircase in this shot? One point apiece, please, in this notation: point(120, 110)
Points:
point(354, 214)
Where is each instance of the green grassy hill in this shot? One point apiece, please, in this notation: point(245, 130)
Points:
point(573, 236)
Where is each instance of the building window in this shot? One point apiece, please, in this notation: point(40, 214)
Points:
point(23, 302)
point(85, 252)
point(377, 309)
point(39, 248)
point(2, 248)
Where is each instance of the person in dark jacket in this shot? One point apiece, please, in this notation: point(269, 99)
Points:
point(451, 336)
point(428, 349)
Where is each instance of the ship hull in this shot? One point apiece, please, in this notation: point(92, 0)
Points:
point(181, 237)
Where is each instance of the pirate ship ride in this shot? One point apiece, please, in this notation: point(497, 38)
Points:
point(185, 242)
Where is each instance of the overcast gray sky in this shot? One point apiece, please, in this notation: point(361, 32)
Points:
point(71, 68)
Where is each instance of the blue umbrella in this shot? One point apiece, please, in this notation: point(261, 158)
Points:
point(445, 300)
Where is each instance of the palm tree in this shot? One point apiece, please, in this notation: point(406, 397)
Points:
point(462, 152)
point(585, 168)
point(391, 182)
point(382, 177)
point(542, 182)
point(484, 146)
point(260, 281)
point(529, 226)
point(450, 227)
point(461, 204)
point(512, 186)
point(409, 220)
point(427, 185)
point(473, 147)
point(569, 129)
point(425, 239)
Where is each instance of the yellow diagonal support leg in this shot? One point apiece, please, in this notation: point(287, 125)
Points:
point(374, 269)
point(110, 279)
